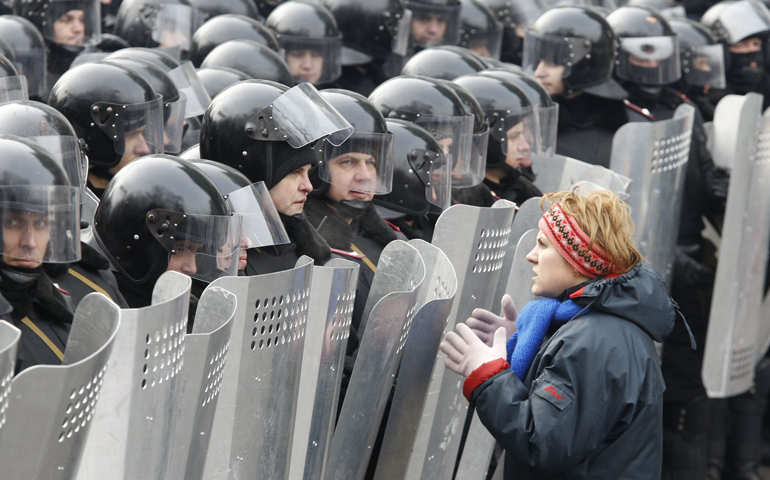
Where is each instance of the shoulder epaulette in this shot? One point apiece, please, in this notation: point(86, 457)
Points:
point(641, 111)
point(347, 254)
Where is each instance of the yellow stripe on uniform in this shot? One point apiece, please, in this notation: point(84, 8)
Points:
point(368, 262)
point(26, 321)
point(91, 285)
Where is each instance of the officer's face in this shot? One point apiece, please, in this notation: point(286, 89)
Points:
point(750, 45)
point(429, 28)
point(701, 64)
point(289, 195)
point(183, 258)
point(349, 172)
point(25, 238)
point(305, 64)
point(519, 146)
point(550, 76)
point(136, 146)
point(70, 29)
point(553, 274)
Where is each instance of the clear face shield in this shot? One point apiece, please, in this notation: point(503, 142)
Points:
point(455, 135)
point(66, 150)
point(363, 164)
point(31, 63)
point(649, 60)
point(435, 172)
point(548, 120)
point(605, 4)
point(299, 117)
point(518, 134)
point(487, 43)
point(314, 60)
point(13, 88)
point(704, 66)
point(479, 145)
point(554, 51)
point(76, 23)
point(434, 25)
point(40, 224)
point(205, 247)
point(136, 129)
point(173, 124)
point(743, 19)
point(174, 25)
point(400, 28)
point(187, 82)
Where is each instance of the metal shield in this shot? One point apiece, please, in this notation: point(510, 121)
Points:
point(475, 241)
point(382, 345)
point(131, 430)
point(519, 285)
point(328, 328)
point(199, 381)
point(253, 425)
point(52, 407)
point(654, 156)
point(732, 340)
point(557, 173)
point(435, 302)
point(727, 121)
point(9, 345)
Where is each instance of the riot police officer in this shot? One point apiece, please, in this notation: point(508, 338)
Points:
point(155, 23)
point(434, 22)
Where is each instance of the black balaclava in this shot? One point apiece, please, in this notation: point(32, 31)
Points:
point(741, 74)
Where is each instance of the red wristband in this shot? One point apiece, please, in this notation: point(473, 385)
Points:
point(482, 374)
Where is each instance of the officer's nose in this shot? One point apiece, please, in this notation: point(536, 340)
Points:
point(541, 71)
point(142, 148)
point(28, 238)
point(188, 266)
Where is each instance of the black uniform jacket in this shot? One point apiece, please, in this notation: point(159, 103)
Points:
point(591, 405)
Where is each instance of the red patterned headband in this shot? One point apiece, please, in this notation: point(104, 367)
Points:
point(572, 242)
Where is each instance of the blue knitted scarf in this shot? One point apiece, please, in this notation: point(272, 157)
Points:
point(533, 323)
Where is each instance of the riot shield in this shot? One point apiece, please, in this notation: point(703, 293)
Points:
point(732, 341)
point(654, 156)
point(328, 328)
point(557, 173)
point(199, 381)
point(435, 302)
point(51, 407)
point(726, 122)
point(475, 240)
point(382, 345)
point(9, 345)
point(519, 284)
point(708, 129)
point(252, 432)
point(131, 430)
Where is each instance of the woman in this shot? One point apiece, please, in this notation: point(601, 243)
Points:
point(586, 402)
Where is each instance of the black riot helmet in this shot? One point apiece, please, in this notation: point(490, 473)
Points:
point(161, 206)
point(419, 173)
point(309, 35)
point(480, 31)
point(514, 131)
point(445, 63)
point(214, 8)
point(253, 59)
point(173, 103)
point(734, 21)
point(223, 28)
point(434, 22)
point(435, 107)
point(158, 23)
point(515, 16)
point(702, 56)
point(375, 30)
point(648, 51)
point(579, 40)
point(162, 60)
point(265, 7)
point(215, 80)
point(12, 85)
point(34, 187)
point(113, 110)
point(29, 51)
point(254, 127)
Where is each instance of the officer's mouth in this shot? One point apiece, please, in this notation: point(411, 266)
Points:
point(524, 162)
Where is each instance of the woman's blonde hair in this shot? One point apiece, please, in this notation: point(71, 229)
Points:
point(605, 218)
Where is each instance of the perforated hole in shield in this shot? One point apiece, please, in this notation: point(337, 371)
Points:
point(490, 250)
point(79, 406)
point(763, 151)
point(280, 320)
point(163, 351)
point(5, 392)
point(214, 370)
point(343, 316)
point(407, 326)
point(742, 364)
point(670, 153)
point(440, 289)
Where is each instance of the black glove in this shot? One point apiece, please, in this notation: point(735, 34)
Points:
point(690, 273)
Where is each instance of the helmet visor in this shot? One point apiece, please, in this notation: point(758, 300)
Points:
point(66, 151)
point(314, 60)
point(175, 25)
point(548, 119)
point(743, 19)
point(31, 63)
point(455, 135)
point(479, 145)
point(402, 34)
point(525, 12)
point(556, 51)
point(40, 224)
point(262, 226)
point(434, 25)
point(518, 134)
point(649, 60)
point(485, 43)
point(434, 169)
point(205, 247)
point(73, 22)
point(363, 164)
point(705, 66)
point(173, 124)
point(13, 88)
point(136, 129)
point(299, 116)
point(187, 82)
